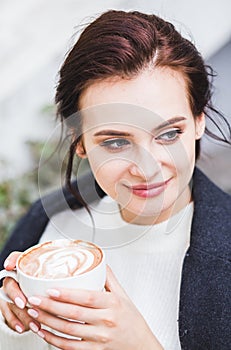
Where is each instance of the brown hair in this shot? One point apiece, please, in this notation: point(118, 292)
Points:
point(120, 43)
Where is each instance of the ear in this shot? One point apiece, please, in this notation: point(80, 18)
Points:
point(199, 126)
point(80, 150)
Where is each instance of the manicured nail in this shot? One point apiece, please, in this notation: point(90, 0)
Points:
point(18, 328)
point(34, 301)
point(33, 327)
point(19, 302)
point(53, 292)
point(6, 263)
point(32, 313)
point(41, 334)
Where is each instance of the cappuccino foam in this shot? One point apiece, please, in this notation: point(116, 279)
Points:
point(60, 259)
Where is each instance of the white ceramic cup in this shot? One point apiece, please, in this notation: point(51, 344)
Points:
point(93, 279)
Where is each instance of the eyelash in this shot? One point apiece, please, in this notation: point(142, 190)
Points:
point(117, 144)
point(109, 144)
point(176, 132)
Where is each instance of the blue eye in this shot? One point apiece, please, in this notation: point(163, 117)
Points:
point(115, 144)
point(169, 136)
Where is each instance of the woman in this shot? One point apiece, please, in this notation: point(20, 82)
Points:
point(135, 95)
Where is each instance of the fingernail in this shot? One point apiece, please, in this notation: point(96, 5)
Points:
point(41, 334)
point(34, 300)
point(19, 302)
point(6, 263)
point(32, 313)
point(33, 327)
point(53, 292)
point(18, 328)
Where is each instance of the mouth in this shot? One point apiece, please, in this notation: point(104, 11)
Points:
point(149, 190)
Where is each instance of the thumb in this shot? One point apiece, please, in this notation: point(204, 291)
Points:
point(10, 262)
point(113, 285)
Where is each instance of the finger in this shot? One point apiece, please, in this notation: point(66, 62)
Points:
point(27, 321)
point(112, 284)
point(69, 327)
point(10, 262)
point(66, 310)
point(64, 343)
point(11, 288)
point(82, 297)
point(10, 318)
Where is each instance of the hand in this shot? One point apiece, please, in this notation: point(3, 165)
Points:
point(109, 319)
point(15, 315)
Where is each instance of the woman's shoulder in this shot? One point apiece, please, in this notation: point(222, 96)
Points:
point(207, 194)
point(70, 223)
point(211, 225)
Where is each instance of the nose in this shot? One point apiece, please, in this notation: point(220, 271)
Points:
point(145, 165)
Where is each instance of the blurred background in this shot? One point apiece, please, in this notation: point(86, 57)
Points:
point(34, 38)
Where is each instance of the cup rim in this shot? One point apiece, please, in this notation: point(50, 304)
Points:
point(63, 278)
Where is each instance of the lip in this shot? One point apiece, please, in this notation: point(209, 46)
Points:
point(149, 190)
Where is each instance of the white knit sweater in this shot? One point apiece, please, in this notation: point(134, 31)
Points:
point(147, 261)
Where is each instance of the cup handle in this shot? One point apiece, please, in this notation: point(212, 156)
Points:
point(5, 273)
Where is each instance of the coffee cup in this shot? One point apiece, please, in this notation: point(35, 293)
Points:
point(58, 264)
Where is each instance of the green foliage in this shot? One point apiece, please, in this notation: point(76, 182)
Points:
point(15, 198)
point(17, 194)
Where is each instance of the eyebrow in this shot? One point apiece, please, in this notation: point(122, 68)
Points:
point(169, 122)
point(112, 133)
point(165, 124)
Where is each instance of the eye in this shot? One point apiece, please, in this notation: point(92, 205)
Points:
point(115, 144)
point(170, 135)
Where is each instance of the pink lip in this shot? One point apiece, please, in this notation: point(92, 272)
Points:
point(149, 190)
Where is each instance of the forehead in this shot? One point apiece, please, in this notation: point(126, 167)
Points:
point(119, 116)
point(150, 98)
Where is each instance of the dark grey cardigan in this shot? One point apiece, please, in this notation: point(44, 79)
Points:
point(204, 311)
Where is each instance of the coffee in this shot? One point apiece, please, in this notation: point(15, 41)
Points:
point(58, 264)
point(60, 259)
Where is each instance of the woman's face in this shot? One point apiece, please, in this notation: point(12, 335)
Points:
point(139, 136)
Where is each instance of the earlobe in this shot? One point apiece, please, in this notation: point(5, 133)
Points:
point(200, 126)
point(80, 150)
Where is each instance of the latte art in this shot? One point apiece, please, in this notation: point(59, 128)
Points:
point(60, 259)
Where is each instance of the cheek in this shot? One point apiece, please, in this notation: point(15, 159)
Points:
point(188, 152)
point(108, 173)
point(184, 162)
point(181, 156)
